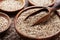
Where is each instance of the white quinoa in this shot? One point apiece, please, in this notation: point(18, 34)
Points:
point(49, 28)
point(3, 23)
point(42, 2)
point(10, 5)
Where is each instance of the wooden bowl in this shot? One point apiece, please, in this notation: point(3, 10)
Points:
point(27, 36)
point(36, 4)
point(9, 21)
point(22, 6)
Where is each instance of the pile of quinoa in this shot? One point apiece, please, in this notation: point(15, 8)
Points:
point(46, 29)
point(42, 2)
point(10, 5)
point(3, 23)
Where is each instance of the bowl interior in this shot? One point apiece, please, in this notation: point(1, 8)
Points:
point(6, 17)
point(36, 3)
point(22, 2)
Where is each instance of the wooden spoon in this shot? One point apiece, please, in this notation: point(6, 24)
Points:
point(46, 17)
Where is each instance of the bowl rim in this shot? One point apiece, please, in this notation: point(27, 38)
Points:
point(32, 3)
point(15, 21)
point(15, 10)
point(8, 18)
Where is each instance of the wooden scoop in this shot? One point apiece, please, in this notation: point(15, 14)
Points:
point(46, 17)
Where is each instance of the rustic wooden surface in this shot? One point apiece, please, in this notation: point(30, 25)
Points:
point(11, 33)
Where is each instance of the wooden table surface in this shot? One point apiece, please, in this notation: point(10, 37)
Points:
point(11, 33)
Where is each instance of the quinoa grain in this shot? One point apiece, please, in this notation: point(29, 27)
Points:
point(3, 23)
point(43, 2)
point(10, 5)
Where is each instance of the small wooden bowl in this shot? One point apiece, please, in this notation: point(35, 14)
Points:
point(22, 3)
point(8, 18)
point(35, 4)
point(29, 37)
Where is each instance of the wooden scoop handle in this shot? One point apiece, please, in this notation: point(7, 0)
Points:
point(55, 6)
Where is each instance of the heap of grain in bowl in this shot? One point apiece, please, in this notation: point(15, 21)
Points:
point(10, 5)
point(42, 2)
point(3, 23)
point(42, 30)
